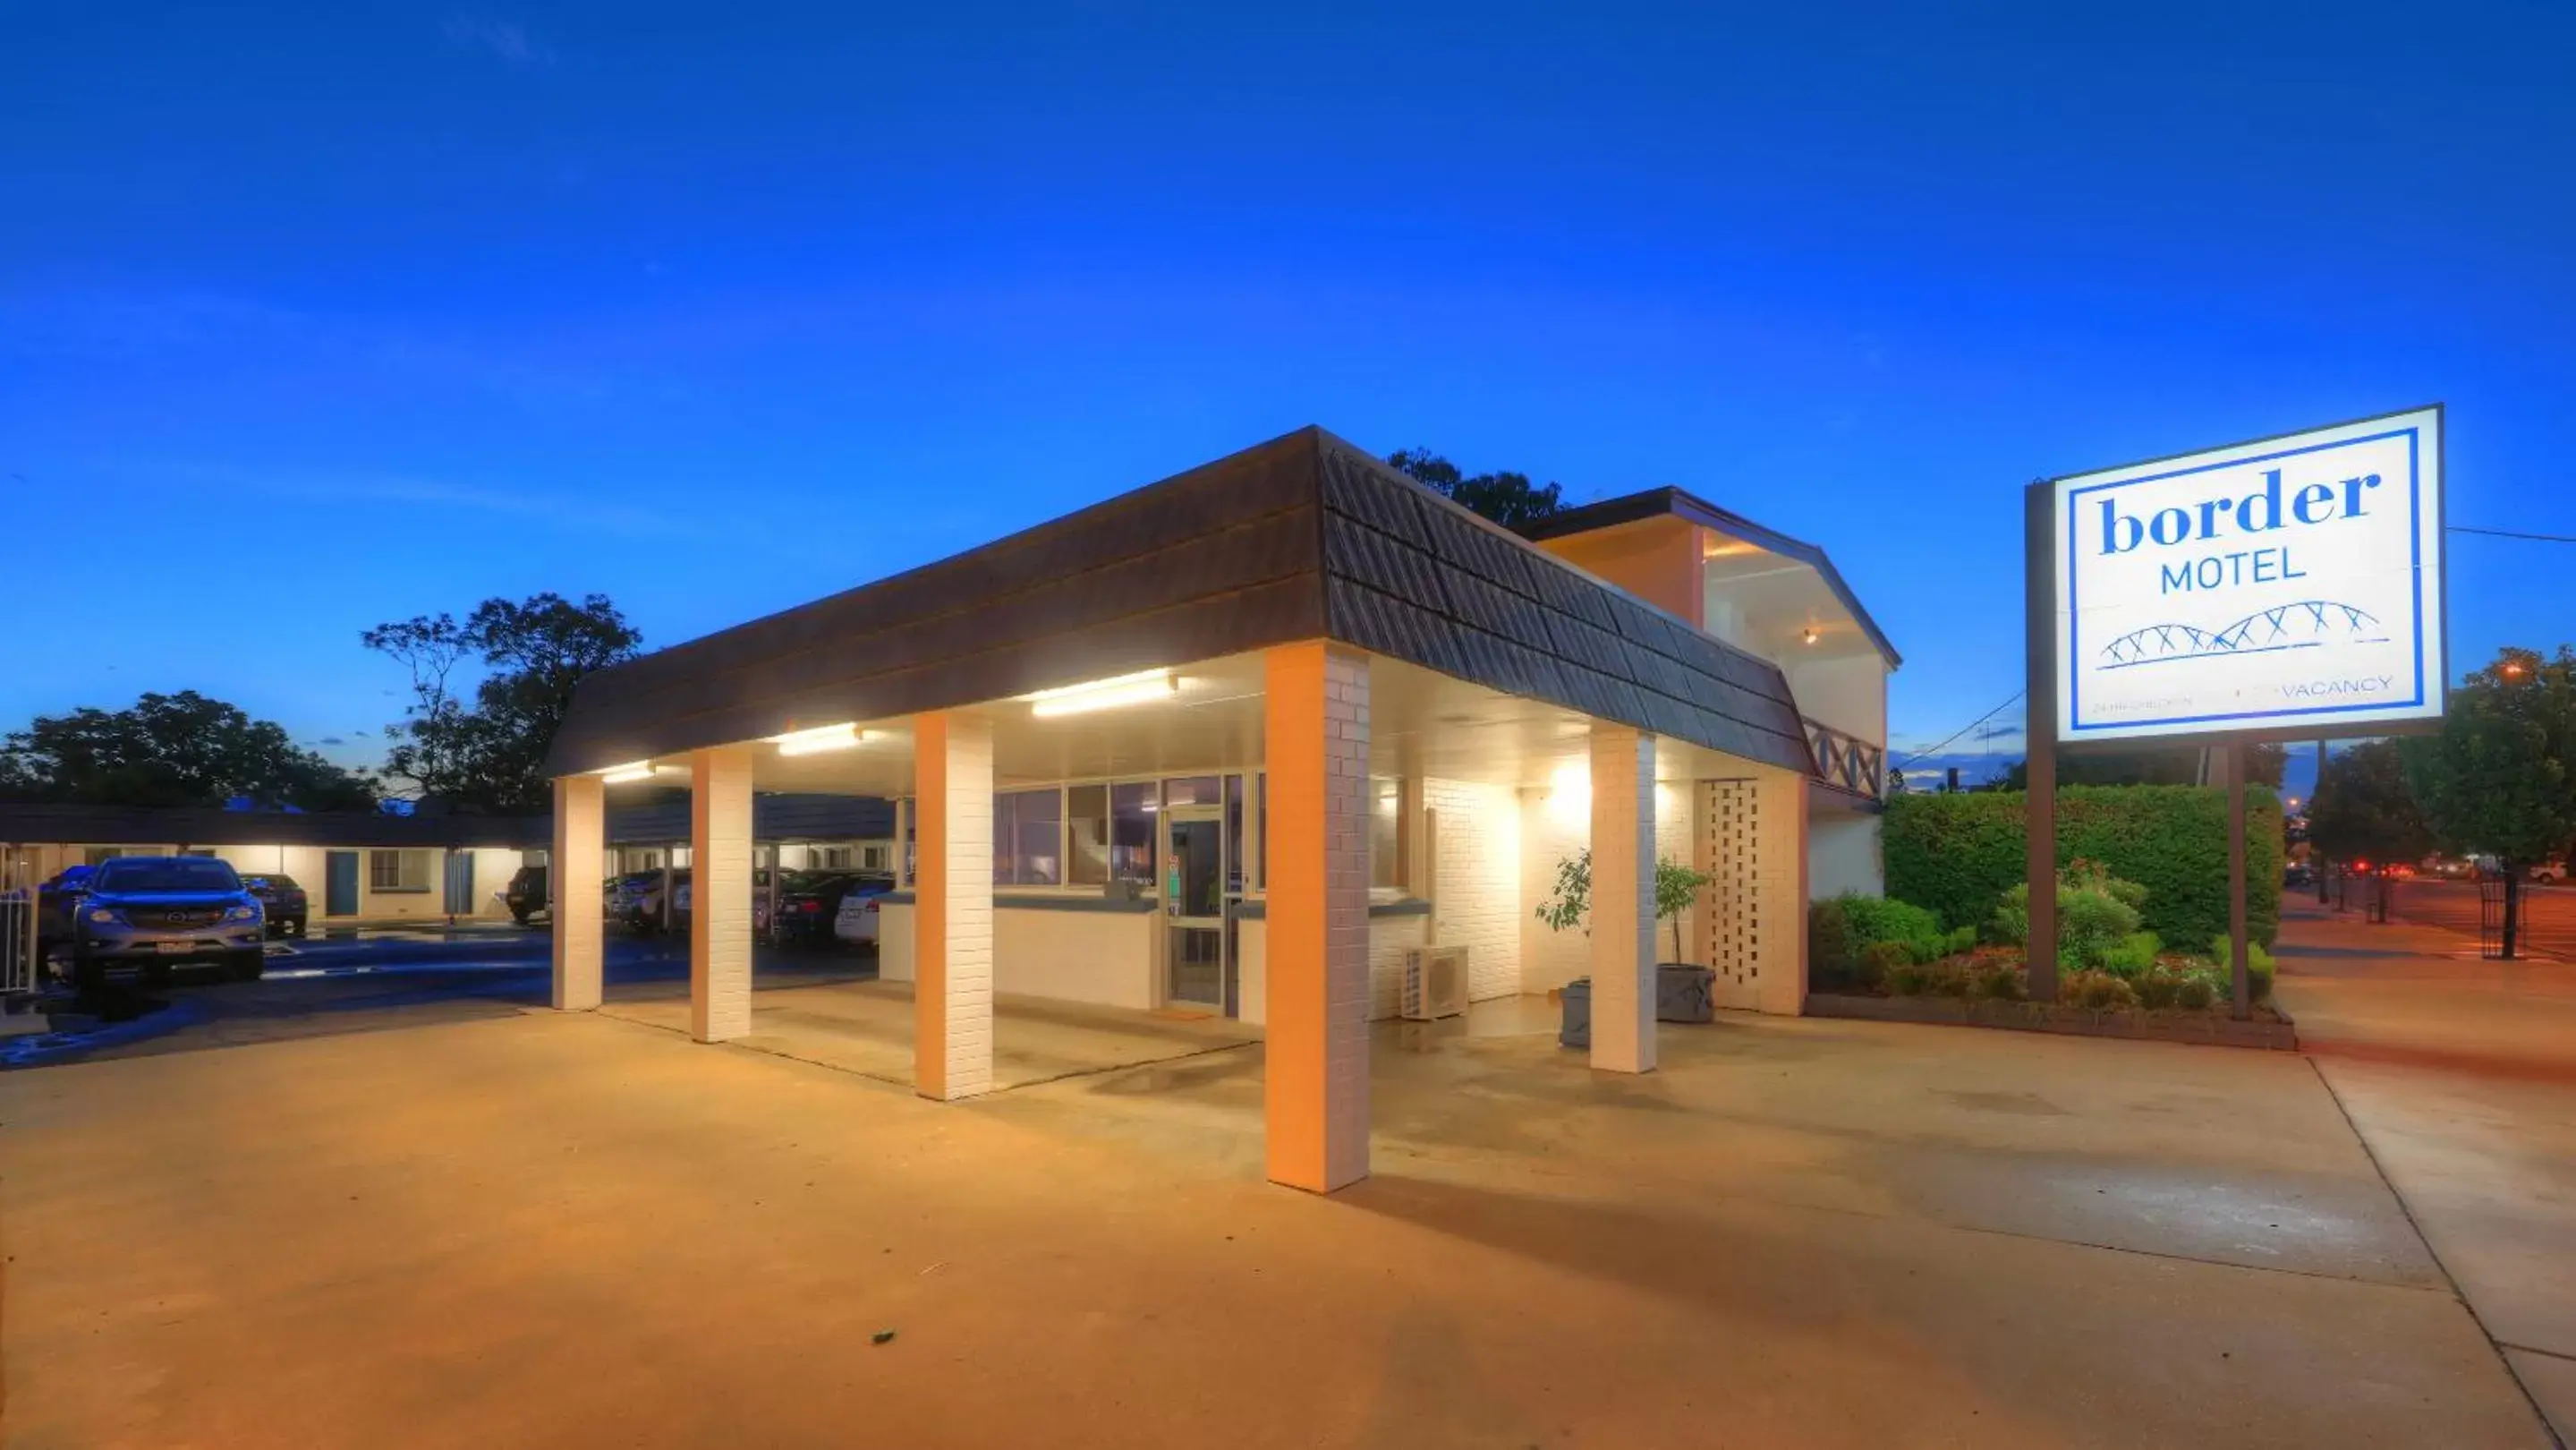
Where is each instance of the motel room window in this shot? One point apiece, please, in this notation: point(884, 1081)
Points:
point(1028, 838)
point(1086, 820)
point(1131, 833)
point(1386, 838)
point(872, 858)
point(101, 855)
point(833, 858)
point(398, 870)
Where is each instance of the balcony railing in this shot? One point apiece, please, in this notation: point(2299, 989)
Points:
point(1854, 764)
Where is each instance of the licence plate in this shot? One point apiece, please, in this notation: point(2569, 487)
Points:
point(174, 948)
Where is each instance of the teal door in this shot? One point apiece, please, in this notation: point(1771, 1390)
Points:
point(460, 883)
point(340, 884)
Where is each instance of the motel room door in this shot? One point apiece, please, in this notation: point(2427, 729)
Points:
point(340, 884)
point(1194, 906)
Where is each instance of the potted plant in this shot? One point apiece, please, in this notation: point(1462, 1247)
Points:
point(1683, 992)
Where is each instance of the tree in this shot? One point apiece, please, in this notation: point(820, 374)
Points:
point(490, 755)
point(1676, 887)
point(2363, 810)
point(2500, 778)
point(1508, 499)
point(173, 750)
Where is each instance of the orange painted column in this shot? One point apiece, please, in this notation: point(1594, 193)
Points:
point(1315, 1088)
point(720, 893)
point(952, 942)
point(1623, 898)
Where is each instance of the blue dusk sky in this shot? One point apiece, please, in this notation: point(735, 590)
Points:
point(332, 314)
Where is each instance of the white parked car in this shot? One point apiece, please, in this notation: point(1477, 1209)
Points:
point(856, 920)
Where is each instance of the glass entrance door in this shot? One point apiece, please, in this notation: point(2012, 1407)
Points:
point(1194, 905)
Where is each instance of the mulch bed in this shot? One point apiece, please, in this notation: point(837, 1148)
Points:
point(2269, 1028)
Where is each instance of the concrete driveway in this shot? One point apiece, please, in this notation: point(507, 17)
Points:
point(546, 1229)
point(2460, 1075)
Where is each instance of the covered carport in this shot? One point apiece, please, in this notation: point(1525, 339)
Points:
point(1311, 663)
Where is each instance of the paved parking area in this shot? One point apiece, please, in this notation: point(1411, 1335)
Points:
point(866, 1028)
point(2460, 1076)
point(552, 1229)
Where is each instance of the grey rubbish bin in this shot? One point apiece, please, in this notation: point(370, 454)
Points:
point(1685, 993)
point(1575, 1029)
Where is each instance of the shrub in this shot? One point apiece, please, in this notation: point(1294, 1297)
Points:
point(2195, 992)
point(2097, 992)
point(2156, 987)
point(2258, 970)
point(2090, 922)
point(1907, 980)
point(1829, 945)
point(2001, 981)
point(1878, 958)
point(2133, 955)
point(1959, 853)
point(1879, 918)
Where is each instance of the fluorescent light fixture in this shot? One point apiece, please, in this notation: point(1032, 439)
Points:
point(821, 738)
point(1142, 688)
point(621, 774)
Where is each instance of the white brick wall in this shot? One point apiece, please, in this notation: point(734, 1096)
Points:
point(1478, 866)
point(1548, 833)
point(720, 894)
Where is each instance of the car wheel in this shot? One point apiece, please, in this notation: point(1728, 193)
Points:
point(89, 974)
point(295, 927)
point(156, 973)
point(246, 966)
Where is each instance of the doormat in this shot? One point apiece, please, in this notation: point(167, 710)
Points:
point(1177, 1014)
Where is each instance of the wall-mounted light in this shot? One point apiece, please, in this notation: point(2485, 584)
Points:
point(1142, 688)
point(1807, 635)
point(821, 738)
point(1569, 793)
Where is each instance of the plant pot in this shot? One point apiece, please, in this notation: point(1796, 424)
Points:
point(1574, 1026)
point(1684, 993)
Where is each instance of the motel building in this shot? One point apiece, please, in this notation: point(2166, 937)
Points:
point(1288, 740)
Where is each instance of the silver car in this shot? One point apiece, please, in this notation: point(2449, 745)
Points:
point(158, 911)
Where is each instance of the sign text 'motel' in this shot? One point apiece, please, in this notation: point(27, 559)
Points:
point(2262, 586)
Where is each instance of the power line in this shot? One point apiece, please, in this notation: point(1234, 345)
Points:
point(1962, 730)
point(2512, 534)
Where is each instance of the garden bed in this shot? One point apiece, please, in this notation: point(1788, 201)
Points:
point(2269, 1028)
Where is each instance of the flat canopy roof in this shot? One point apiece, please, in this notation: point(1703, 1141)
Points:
point(1299, 538)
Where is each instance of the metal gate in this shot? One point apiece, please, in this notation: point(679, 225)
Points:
point(2491, 907)
point(18, 906)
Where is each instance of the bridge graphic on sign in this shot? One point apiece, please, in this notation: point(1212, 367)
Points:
point(2304, 625)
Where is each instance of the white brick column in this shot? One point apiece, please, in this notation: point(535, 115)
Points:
point(1315, 1071)
point(720, 893)
point(1623, 898)
point(952, 987)
point(573, 871)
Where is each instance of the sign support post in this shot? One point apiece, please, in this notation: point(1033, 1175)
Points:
point(2039, 808)
point(2239, 952)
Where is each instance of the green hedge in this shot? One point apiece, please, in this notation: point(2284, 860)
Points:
point(1959, 853)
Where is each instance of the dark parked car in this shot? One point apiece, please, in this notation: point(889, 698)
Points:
point(809, 900)
point(156, 911)
point(622, 898)
point(527, 895)
point(281, 898)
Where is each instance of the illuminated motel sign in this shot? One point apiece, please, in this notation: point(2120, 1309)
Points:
point(2288, 588)
point(2291, 586)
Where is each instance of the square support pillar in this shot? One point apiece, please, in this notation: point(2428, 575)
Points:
point(719, 893)
point(952, 952)
point(1315, 1070)
point(1781, 882)
point(1623, 898)
point(573, 870)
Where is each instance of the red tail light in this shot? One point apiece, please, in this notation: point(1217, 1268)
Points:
point(870, 906)
point(809, 906)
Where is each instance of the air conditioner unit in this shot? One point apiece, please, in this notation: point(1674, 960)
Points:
point(1435, 983)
